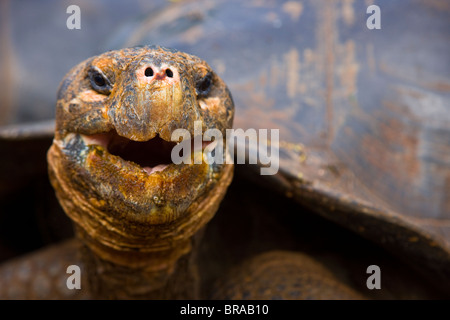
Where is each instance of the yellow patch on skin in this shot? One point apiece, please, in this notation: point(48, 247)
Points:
point(91, 96)
point(66, 106)
point(97, 203)
point(104, 63)
point(210, 103)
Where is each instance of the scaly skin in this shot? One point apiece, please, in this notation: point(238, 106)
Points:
point(137, 225)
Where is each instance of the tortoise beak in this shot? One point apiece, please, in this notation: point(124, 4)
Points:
point(153, 155)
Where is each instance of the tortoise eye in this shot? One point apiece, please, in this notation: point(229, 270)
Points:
point(204, 85)
point(99, 82)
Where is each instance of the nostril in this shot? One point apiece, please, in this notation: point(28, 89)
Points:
point(148, 72)
point(169, 73)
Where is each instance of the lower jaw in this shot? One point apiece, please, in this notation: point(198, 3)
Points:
point(154, 195)
point(134, 194)
point(116, 233)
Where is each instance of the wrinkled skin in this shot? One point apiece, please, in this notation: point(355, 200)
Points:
point(140, 214)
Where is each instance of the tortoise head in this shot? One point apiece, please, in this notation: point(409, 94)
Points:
point(110, 162)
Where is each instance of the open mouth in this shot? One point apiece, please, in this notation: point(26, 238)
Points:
point(153, 155)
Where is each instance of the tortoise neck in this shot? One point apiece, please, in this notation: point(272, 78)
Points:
point(165, 279)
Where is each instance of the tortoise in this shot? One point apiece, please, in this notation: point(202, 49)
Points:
point(363, 172)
